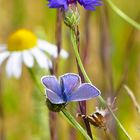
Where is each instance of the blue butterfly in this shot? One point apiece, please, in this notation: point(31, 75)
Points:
point(68, 88)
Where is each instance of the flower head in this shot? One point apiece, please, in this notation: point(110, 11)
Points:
point(87, 4)
point(21, 40)
point(72, 17)
point(22, 47)
point(69, 88)
point(96, 119)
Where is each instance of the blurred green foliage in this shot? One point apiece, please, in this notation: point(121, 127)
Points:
point(25, 113)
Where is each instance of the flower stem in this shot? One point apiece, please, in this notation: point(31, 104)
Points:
point(75, 124)
point(34, 78)
point(73, 38)
point(133, 98)
point(74, 43)
point(58, 31)
point(82, 104)
point(123, 15)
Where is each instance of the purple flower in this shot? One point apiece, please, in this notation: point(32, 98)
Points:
point(68, 88)
point(87, 4)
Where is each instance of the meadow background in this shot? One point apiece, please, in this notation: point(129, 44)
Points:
point(112, 59)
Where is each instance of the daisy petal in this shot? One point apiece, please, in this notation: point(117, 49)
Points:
point(3, 47)
point(41, 58)
point(9, 66)
point(3, 56)
point(48, 47)
point(64, 54)
point(28, 59)
point(51, 49)
point(14, 65)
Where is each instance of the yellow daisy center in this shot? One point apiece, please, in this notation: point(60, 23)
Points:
point(21, 40)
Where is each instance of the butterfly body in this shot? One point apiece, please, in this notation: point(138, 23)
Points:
point(55, 107)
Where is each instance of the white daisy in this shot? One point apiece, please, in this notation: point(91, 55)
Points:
point(24, 47)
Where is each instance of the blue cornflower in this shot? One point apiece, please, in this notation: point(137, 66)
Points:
point(68, 88)
point(87, 4)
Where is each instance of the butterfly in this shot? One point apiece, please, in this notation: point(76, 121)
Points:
point(68, 88)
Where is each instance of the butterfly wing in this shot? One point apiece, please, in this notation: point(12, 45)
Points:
point(69, 82)
point(52, 84)
point(53, 97)
point(84, 92)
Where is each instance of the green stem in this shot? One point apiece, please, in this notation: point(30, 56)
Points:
point(74, 42)
point(73, 38)
point(133, 98)
point(75, 124)
point(123, 15)
point(64, 111)
point(34, 78)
